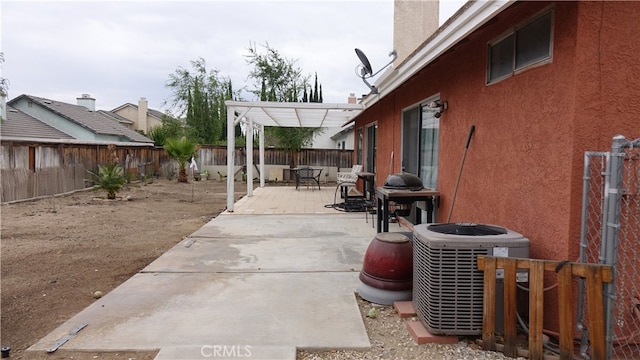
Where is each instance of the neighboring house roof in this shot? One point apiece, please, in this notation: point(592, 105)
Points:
point(21, 125)
point(155, 113)
point(116, 117)
point(342, 132)
point(151, 112)
point(94, 121)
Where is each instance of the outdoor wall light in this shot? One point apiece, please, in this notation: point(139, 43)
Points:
point(440, 105)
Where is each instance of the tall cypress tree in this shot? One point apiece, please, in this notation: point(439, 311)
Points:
point(315, 90)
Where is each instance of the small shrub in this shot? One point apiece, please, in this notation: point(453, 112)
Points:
point(109, 178)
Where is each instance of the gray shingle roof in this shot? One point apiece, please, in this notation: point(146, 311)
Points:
point(21, 125)
point(156, 113)
point(116, 117)
point(152, 112)
point(95, 121)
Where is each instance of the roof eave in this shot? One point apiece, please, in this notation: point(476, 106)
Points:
point(72, 141)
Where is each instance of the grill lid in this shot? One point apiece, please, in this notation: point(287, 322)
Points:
point(469, 229)
point(404, 181)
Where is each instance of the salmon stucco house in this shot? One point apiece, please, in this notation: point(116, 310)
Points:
point(542, 82)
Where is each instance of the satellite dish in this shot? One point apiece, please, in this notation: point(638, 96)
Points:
point(365, 70)
point(366, 65)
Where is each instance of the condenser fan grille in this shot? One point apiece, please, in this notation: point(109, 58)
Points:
point(448, 294)
point(470, 229)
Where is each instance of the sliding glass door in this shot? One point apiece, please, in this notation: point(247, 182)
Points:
point(371, 145)
point(420, 129)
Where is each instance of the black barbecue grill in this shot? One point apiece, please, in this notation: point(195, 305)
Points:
point(404, 181)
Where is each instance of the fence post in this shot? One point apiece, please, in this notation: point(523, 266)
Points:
point(611, 223)
point(488, 303)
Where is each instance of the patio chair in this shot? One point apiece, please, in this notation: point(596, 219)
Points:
point(346, 181)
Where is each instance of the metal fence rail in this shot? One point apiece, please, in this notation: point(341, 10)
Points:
point(610, 235)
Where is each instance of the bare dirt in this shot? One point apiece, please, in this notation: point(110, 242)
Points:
point(58, 251)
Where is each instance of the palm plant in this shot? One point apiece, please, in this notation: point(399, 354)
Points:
point(181, 150)
point(109, 178)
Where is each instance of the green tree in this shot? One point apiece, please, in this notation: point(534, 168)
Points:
point(198, 94)
point(170, 128)
point(181, 150)
point(278, 79)
point(316, 98)
point(4, 85)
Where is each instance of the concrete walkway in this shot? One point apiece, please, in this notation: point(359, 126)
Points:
point(276, 275)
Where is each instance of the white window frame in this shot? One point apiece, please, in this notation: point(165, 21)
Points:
point(512, 32)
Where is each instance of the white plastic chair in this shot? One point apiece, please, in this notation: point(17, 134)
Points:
point(347, 180)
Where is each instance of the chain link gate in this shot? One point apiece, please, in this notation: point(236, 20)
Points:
point(610, 234)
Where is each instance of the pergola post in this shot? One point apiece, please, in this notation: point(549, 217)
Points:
point(231, 145)
point(249, 157)
point(261, 156)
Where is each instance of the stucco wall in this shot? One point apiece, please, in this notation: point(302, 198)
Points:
point(131, 113)
point(523, 169)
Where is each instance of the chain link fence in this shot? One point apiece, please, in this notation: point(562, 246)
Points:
point(610, 235)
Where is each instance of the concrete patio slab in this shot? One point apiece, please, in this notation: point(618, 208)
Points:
point(206, 255)
point(317, 226)
point(154, 311)
point(228, 352)
point(269, 282)
point(275, 243)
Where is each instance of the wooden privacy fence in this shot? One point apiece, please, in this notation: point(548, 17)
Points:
point(20, 184)
point(595, 276)
point(31, 169)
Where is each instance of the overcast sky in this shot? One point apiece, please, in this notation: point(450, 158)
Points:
point(120, 51)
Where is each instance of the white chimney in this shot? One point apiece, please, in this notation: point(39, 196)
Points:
point(143, 107)
point(87, 101)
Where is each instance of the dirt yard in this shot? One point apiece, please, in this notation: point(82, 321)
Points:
point(57, 252)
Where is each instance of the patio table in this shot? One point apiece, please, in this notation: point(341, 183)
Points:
point(306, 175)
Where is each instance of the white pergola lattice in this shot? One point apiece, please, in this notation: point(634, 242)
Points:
point(257, 115)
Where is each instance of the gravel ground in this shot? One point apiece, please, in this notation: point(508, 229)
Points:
point(390, 340)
